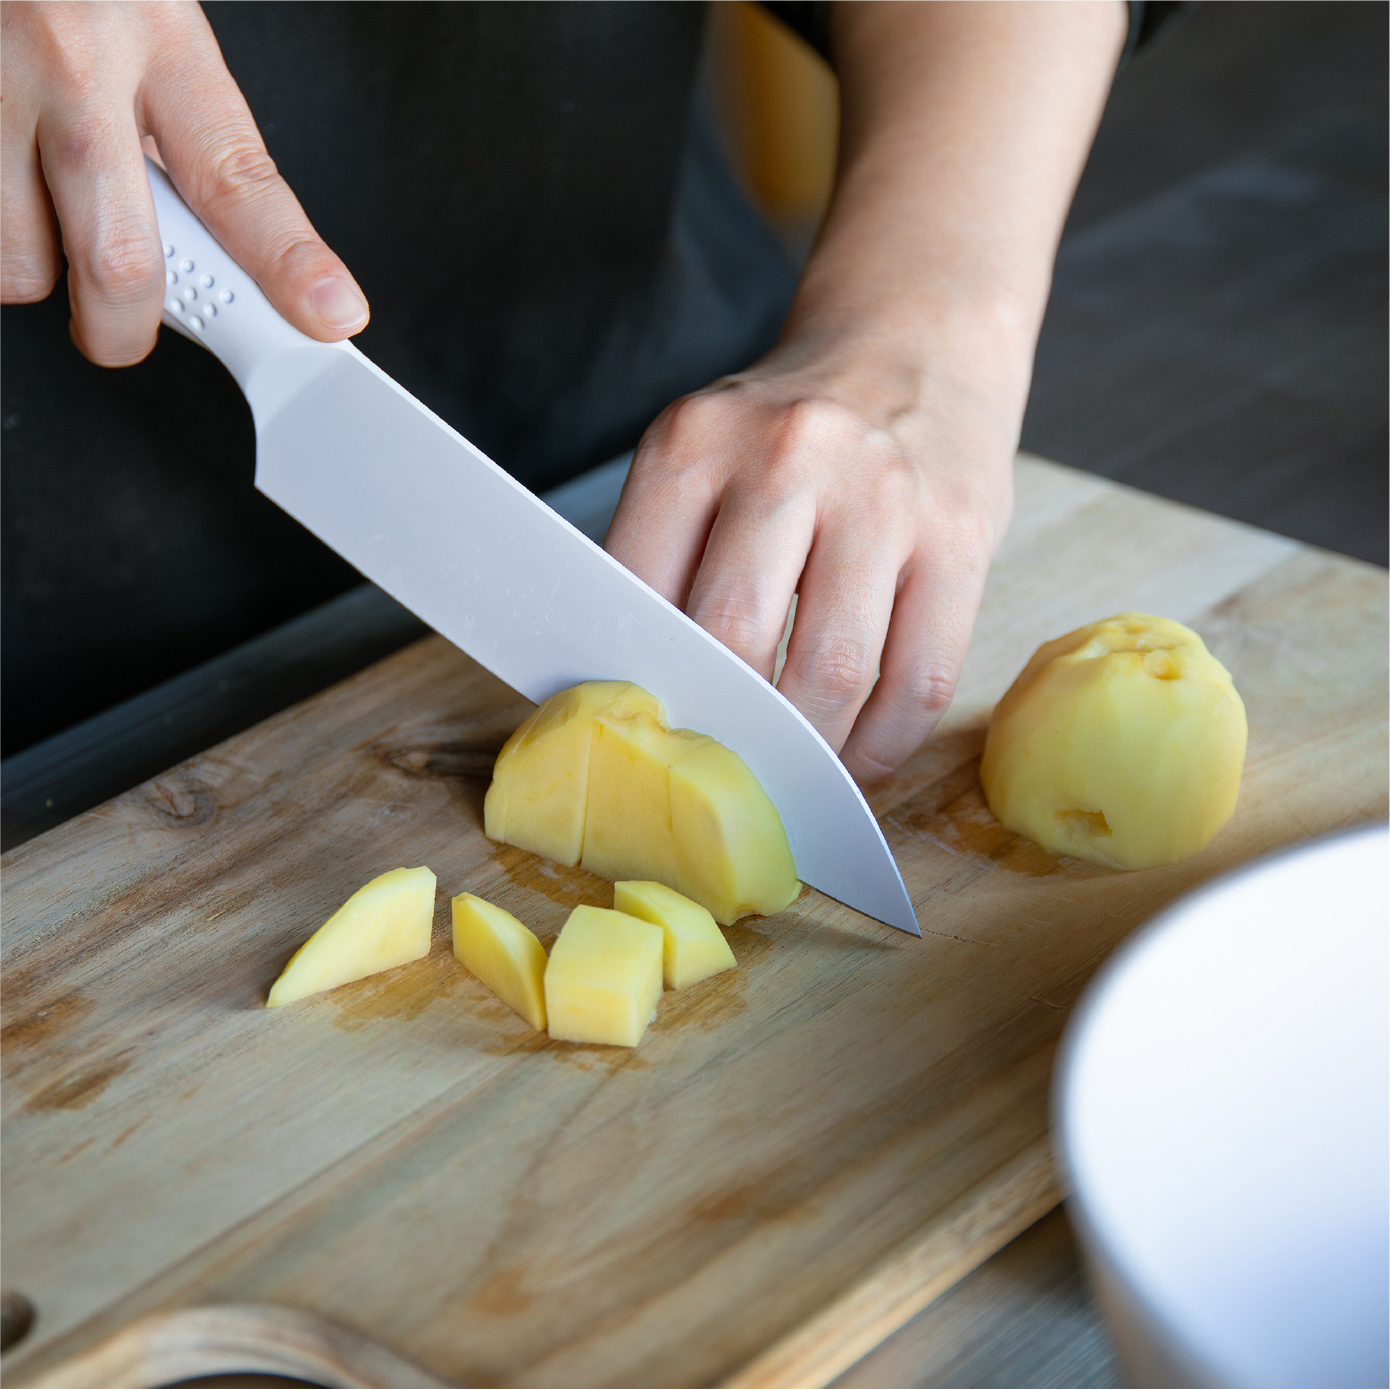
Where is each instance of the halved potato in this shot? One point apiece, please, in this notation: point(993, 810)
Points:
point(603, 978)
point(627, 832)
point(385, 923)
point(694, 947)
point(503, 953)
point(731, 850)
point(540, 784)
point(659, 804)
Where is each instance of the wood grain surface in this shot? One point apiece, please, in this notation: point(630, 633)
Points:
point(802, 1153)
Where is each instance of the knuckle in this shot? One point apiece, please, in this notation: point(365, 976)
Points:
point(733, 618)
point(802, 430)
point(873, 766)
point(691, 419)
point(79, 142)
point(814, 420)
point(835, 672)
point(27, 284)
point(241, 170)
point(123, 268)
point(928, 691)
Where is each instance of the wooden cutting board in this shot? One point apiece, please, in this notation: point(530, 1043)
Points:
point(399, 1183)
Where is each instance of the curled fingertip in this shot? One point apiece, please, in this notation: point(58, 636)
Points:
point(339, 305)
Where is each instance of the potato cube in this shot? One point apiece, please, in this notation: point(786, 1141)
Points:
point(503, 953)
point(603, 978)
point(695, 948)
point(385, 923)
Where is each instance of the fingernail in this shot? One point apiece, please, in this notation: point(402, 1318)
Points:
point(338, 303)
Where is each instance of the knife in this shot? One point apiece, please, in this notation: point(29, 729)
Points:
point(429, 518)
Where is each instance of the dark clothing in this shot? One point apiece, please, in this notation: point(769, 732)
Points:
point(551, 242)
point(533, 198)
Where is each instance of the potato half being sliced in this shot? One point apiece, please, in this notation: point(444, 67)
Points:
point(597, 777)
point(385, 923)
point(540, 784)
point(503, 953)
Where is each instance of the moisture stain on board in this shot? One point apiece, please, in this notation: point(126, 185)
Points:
point(594, 1057)
point(42, 1026)
point(567, 887)
point(404, 992)
point(504, 1295)
point(80, 1089)
point(953, 813)
point(705, 1005)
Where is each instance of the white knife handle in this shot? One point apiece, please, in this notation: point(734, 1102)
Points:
point(208, 297)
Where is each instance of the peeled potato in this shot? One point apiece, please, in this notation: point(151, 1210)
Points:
point(540, 784)
point(385, 923)
point(731, 850)
point(1121, 743)
point(603, 978)
point(628, 831)
point(503, 953)
point(596, 777)
point(694, 946)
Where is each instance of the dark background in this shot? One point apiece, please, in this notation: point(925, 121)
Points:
point(1217, 330)
point(1217, 334)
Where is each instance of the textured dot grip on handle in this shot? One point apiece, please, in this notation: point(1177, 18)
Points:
point(208, 297)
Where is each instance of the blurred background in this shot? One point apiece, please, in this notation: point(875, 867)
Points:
point(1217, 329)
point(1216, 335)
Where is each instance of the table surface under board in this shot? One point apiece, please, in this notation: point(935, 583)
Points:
point(801, 1154)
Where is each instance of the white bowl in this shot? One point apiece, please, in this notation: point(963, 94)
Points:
point(1222, 1111)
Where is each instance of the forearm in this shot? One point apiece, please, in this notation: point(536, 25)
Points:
point(964, 130)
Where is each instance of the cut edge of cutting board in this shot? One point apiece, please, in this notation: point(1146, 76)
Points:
point(235, 1339)
point(942, 1253)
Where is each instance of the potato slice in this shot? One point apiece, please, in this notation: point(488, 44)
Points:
point(603, 978)
point(694, 947)
point(540, 784)
point(385, 923)
point(627, 832)
point(731, 850)
point(1121, 743)
point(503, 953)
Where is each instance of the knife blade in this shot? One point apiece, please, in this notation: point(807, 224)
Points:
point(428, 517)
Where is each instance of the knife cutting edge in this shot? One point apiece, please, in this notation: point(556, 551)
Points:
point(428, 517)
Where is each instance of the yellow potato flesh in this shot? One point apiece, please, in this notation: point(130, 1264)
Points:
point(627, 833)
point(540, 784)
point(596, 777)
point(1121, 743)
point(503, 953)
point(731, 850)
point(694, 947)
point(603, 978)
point(385, 923)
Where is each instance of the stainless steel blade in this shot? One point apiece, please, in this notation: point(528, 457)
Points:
point(423, 513)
